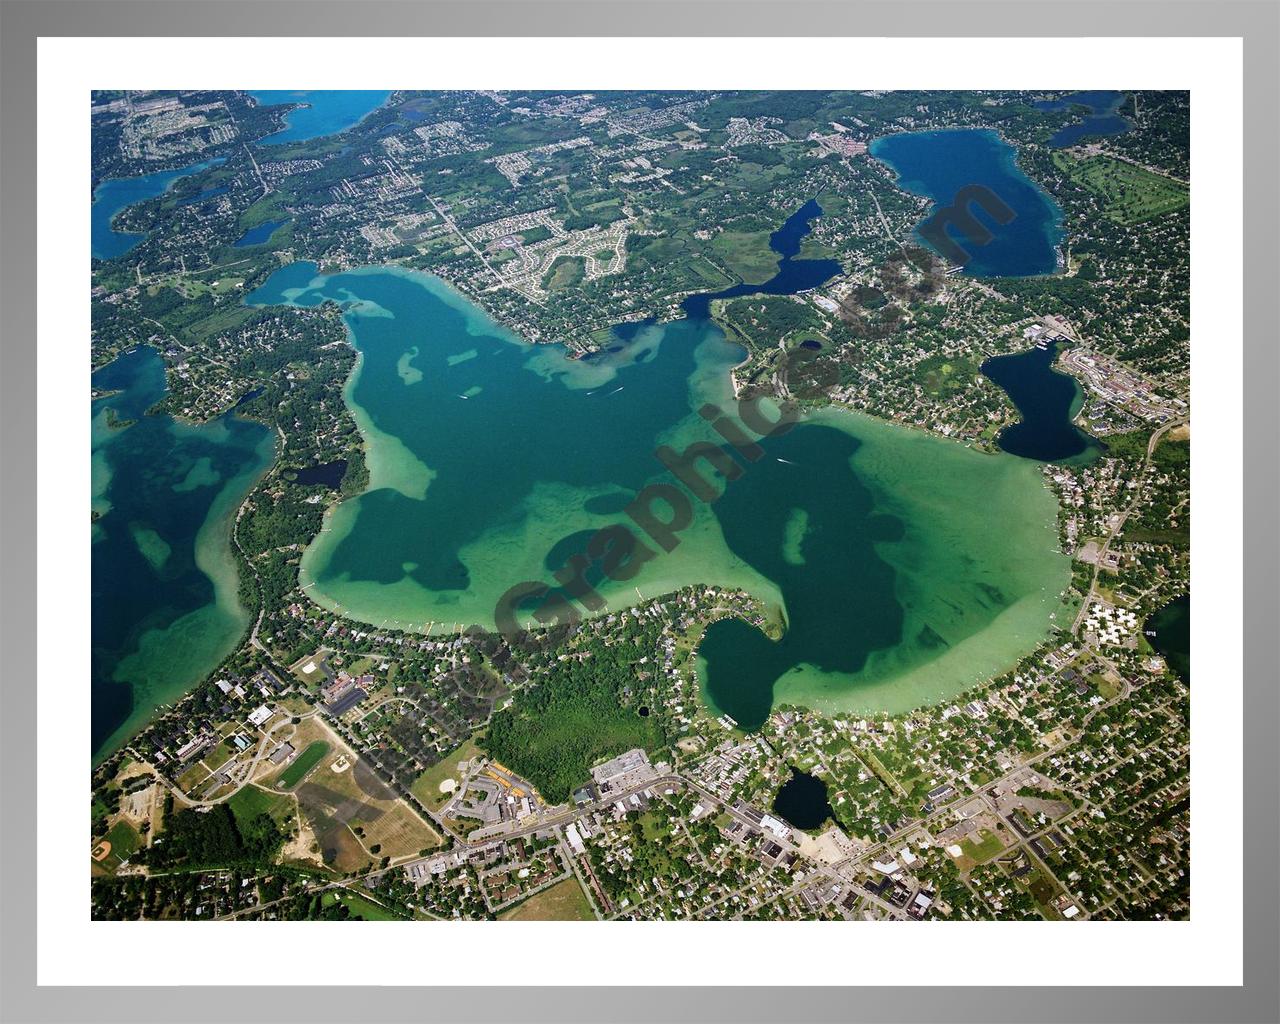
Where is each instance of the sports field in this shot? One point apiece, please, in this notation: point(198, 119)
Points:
point(120, 843)
point(302, 764)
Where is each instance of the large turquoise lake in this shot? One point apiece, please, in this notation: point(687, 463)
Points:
point(164, 605)
point(905, 567)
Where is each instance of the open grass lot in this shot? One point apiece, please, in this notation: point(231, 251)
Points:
point(321, 670)
point(709, 274)
point(192, 776)
point(251, 801)
point(1107, 689)
point(564, 901)
point(812, 249)
point(341, 850)
point(1131, 193)
point(656, 251)
point(940, 375)
point(302, 764)
point(987, 846)
point(294, 704)
point(565, 273)
point(656, 827)
point(361, 909)
point(1042, 891)
point(426, 787)
point(677, 250)
point(399, 833)
point(747, 254)
point(356, 817)
point(362, 665)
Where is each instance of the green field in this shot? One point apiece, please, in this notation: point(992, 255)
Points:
point(655, 827)
point(657, 252)
point(361, 909)
point(812, 249)
point(747, 254)
point(253, 800)
point(426, 787)
point(302, 764)
point(537, 233)
point(564, 901)
point(124, 841)
point(982, 851)
point(566, 272)
point(940, 375)
point(709, 274)
point(1131, 194)
point(271, 207)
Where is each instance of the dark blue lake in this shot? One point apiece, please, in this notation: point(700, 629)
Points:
point(802, 801)
point(1169, 632)
point(938, 164)
point(328, 111)
point(1047, 402)
point(327, 474)
point(258, 235)
point(793, 276)
point(1097, 100)
point(1101, 121)
point(114, 194)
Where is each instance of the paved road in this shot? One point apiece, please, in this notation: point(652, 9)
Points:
point(248, 777)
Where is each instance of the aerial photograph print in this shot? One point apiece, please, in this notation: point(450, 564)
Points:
point(640, 506)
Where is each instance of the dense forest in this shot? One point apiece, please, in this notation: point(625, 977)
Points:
point(211, 836)
point(585, 709)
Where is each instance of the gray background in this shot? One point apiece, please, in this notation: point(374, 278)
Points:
point(1258, 22)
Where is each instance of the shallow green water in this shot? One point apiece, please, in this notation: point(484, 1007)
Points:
point(165, 608)
point(470, 495)
point(905, 566)
point(924, 568)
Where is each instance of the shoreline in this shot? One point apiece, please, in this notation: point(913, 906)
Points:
point(1011, 154)
point(214, 558)
point(374, 450)
point(224, 574)
point(990, 649)
point(386, 470)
